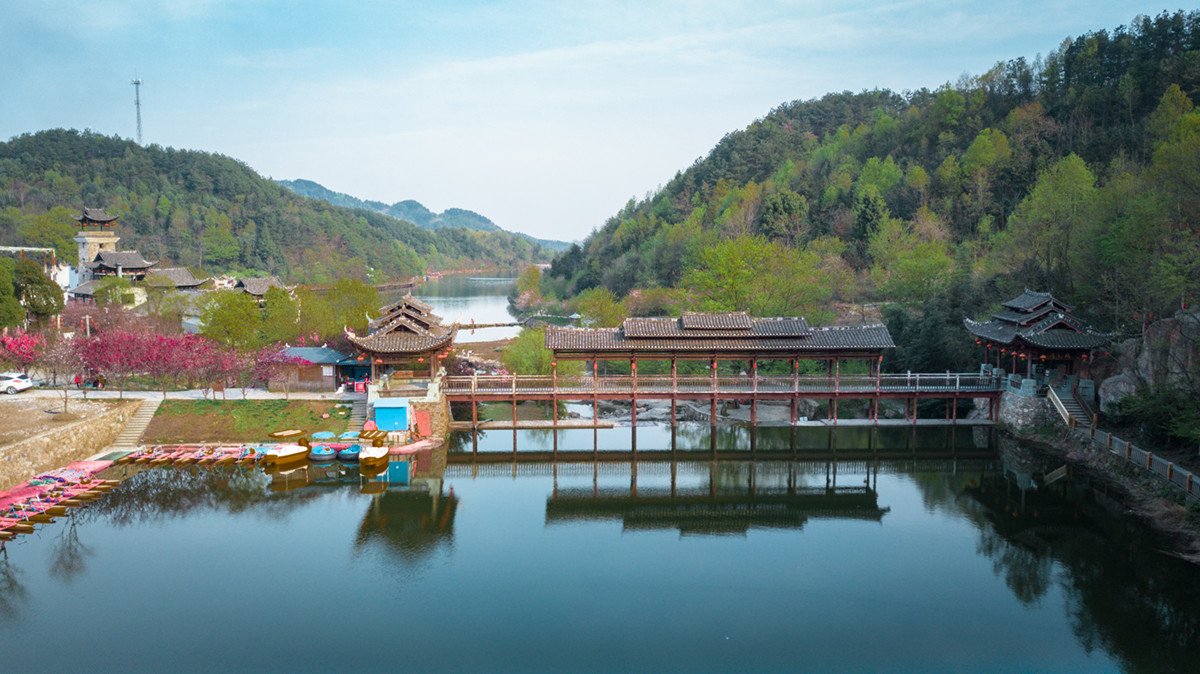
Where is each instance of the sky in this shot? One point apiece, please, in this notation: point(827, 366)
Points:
point(546, 117)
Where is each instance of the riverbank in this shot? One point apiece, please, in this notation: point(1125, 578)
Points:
point(1157, 505)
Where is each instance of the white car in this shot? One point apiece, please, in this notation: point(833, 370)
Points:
point(11, 382)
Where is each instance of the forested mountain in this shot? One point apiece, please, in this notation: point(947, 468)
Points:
point(413, 211)
point(215, 214)
point(1077, 173)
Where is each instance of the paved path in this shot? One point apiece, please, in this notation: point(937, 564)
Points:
point(195, 394)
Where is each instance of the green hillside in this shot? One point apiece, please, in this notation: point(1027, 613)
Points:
point(414, 212)
point(215, 214)
point(1075, 173)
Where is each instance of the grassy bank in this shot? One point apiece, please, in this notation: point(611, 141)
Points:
point(185, 421)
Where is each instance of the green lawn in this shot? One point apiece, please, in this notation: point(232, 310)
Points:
point(183, 421)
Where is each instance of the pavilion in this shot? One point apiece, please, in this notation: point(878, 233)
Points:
point(1041, 331)
point(407, 333)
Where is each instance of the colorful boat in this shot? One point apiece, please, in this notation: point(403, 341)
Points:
point(351, 453)
point(373, 456)
point(322, 453)
point(285, 453)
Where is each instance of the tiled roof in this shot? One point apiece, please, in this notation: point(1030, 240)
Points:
point(868, 337)
point(406, 326)
point(401, 342)
point(182, 277)
point(737, 320)
point(125, 259)
point(93, 215)
point(1029, 300)
point(1013, 316)
point(85, 289)
point(259, 286)
point(415, 312)
point(407, 301)
point(1055, 331)
point(722, 326)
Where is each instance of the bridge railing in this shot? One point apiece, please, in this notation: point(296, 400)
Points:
point(914, 383)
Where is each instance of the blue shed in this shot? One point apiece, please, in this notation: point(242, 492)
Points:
point(391, 414)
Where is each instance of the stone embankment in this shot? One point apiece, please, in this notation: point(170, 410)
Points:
point(60, 446)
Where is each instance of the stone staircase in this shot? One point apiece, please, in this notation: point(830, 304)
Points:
point(1081, 416)
point(358, 414)
point(127, 439)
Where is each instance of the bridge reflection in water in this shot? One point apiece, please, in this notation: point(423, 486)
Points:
point(664, 443)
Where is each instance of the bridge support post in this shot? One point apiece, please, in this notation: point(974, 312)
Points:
point(673, 419)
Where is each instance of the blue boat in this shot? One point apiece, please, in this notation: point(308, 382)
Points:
point(350, 453)
point(322, 453)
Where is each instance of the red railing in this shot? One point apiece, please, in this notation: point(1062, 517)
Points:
point(586, 385)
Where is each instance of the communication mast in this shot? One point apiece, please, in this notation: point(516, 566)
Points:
point(137, 104)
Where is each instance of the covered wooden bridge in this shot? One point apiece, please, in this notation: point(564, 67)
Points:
point(715, 337)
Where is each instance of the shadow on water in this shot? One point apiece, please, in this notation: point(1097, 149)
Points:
point(1124, 595)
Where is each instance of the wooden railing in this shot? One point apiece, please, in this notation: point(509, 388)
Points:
point(912, 383)
point(1107, 442)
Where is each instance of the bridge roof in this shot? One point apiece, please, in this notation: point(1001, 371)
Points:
point(721, 334)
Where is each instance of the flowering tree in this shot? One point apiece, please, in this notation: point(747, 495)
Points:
point(164, 358)
point(22, 348)
point(115, 354)
point(271, 362)
point(61, 360)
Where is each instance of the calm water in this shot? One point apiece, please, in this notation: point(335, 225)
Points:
point(482, 297)
point(910, 564)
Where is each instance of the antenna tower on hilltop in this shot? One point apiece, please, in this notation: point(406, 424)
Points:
point(137, 103)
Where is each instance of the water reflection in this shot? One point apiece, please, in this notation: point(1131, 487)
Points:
point(409, 526)
point(730, 442)
point(12, 592)
point(1124, 595)
point(69, 555)
point(735, 499)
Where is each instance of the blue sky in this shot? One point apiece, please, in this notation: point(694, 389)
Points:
point(544, 116)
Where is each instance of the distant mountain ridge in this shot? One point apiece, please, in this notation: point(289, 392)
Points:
point(413, 211)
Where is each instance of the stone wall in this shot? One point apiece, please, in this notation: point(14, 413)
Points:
point(59, 447)
point(1021, 412)
point(439, 413)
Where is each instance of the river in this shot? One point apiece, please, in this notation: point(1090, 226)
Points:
point(769, 549)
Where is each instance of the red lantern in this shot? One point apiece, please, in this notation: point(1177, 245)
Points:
point(379, 361)
point(360, 359)
point(420, 360)
point(1043, 356)
point(554, 363)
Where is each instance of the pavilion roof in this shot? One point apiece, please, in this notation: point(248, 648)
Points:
point(1039, 320)
point(182, 277)
point(126, 260)
point(93, 216)
point(408, 312)
point(258, 286)
point(401, 342)
point(720, 334)
point(406, 326)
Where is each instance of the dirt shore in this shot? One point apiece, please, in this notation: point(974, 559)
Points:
point(25, 414)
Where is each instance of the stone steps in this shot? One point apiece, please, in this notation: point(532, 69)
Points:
point(132, 432)
point(358, 414)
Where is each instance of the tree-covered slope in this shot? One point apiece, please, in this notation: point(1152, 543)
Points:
point(1075, 173)
point(214, 213)
point(414, 212)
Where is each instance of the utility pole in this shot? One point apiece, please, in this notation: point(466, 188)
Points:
point(137, 104)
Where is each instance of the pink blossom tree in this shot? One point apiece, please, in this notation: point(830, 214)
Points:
point(61, 360)
point(272, 362)
point(22, 349)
